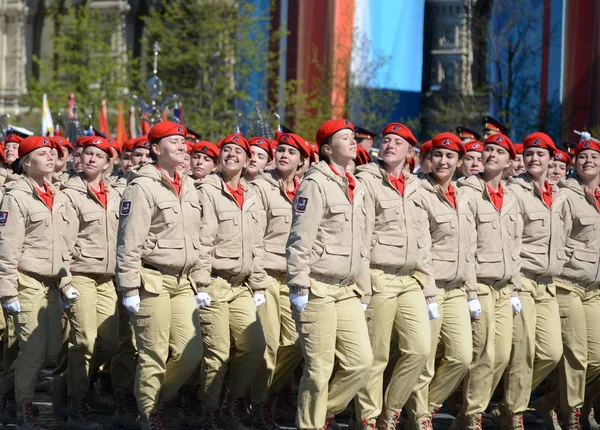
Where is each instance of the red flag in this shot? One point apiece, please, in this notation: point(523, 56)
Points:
point(121, 130)
point(165, 113)
point(103, 119)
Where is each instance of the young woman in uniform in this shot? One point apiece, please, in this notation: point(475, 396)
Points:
point(451, 233)
point(404, 291)
point(232, 284)
point(578, 296)
point(536, 349)
point(262, 154)
point(204, 159)
point(471, 162)
point(328, 277)
point(494, 210)
point(559, 166)
point(518, 166)
point(93, 209)
point(34, 262)
point(277, 189)
point(158, 249)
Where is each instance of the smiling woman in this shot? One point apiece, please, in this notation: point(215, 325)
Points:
point(158, 249)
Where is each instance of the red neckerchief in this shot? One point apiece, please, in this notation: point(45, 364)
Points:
point(496, 196)
point(176, 182)
point(100, 194)
point(547, 194)
point(238, 194)
point(46, 196)
point(398, 183)
point(292, 193)
point(351, 183)
point(451, 195)
point(597, 197)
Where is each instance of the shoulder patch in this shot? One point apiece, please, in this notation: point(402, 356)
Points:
point(3, 218)
point(125, 207)
point(301, 204)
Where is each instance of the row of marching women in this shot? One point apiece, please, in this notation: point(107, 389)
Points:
point(203, 276)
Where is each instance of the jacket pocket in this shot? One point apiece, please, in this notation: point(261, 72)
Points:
point(282, 215)
point(97, 253)
point(585, 255)
point(170, 243)
point(390, 209)
point(151, 280)
point(337, 215)
point(274, 248)
point(538, 216)
point(167, 211)
point(228, 252)
point(391, 241)
point(337, 250)
point(489, 257)
point(39, 218)
point(41, 253)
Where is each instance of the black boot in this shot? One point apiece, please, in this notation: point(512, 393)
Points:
point(78, 418)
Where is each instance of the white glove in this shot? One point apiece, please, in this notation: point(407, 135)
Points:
point(432, 308)
point(259, 299)
point(72, 294)
point(299, 301)
point(474, 308)
point(203, 300)
point(132, 303)
point(516, 304)
point(365, 306)
point(13, 306)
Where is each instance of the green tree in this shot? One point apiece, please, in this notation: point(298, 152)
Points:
point(208, 51)
point(83, 62)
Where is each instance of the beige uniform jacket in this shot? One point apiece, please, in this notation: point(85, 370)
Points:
point(4, 172)
point(542, 229)
point(60, 178)
point(93, 229)
point(278, 209)
point(118, 182)
point(33, 238)
point(581, 218)
point(497, 239)
point(451, 231)
point(157, 228)
point(396, 227)
point(231, 236)
point(327, 238)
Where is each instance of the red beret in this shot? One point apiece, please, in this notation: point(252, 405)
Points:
point(584, 145)
point(100, 143)
point(297, 142)
point(362, 156)
point(474, 146)
point(32, 143)
point(236, 139)
point(166, 129)
point(13, 138)
point(426, 147)
point(504, 142)
point(264, 144)
point(2, 159)
point(273, 145)
point(128, 144)
point(62, 141)
point(329, 128)
point(141, 142)
point(562, 156)
point(207, 148)
point(190, 147)
point(539, 140)
point(518, 148)
point(80, 140)
point(400, 130)
point(449, 141)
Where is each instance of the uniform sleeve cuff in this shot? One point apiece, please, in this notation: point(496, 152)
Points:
point(298, 290)
point(366, 299)
point(131, 292)
point(430, 299)
point(472, 295)
point(7, 300)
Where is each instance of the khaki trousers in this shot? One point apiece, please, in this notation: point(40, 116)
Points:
point(124, 362)
point(166, 326)
point(94, 336)
point(331, 327)
point(397, 304)
point(282, 354)
point(232, 314)
point(38, 331)
point(453, 331)
point(536, 349)
point(580, 326)
point(10, 349)
point(63, 354)
point(492, 341)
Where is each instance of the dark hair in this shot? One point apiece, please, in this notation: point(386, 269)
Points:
point(322, 155)
point(153, 155)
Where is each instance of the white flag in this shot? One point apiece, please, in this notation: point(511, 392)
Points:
point(47, 123)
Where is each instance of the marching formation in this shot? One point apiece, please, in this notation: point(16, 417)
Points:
point(177, 270)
